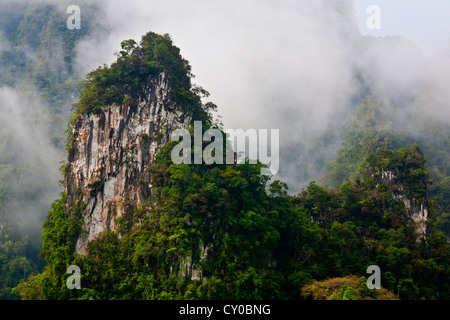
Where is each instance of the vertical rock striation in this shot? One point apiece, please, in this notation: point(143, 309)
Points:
point(404, 173)
point(417, 208)
point(107, 172)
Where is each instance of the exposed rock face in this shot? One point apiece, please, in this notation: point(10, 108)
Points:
point(417, 208)
point(107, 169)
point(1, 234)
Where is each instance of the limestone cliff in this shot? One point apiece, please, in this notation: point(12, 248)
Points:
point(417, 208)
point(111, 150)
point(404, 174)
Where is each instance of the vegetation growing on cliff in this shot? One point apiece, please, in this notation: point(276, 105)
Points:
point(408, 168)
point(125, 80)
point(370, 129)
point(375, 135)
point(251, 241)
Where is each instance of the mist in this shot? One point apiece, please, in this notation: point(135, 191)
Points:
point(29, 169)
point(297, 66)
point(31, 125)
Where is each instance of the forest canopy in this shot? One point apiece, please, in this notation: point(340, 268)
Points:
point(136, 64)
point(216, 232)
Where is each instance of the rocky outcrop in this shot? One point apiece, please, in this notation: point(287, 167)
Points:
point(417, 208)
point(107, 174)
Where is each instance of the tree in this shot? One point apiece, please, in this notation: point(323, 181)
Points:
point(347, 288)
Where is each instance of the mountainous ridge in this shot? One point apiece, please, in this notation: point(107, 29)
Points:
point(140, 227)
point(167, 231)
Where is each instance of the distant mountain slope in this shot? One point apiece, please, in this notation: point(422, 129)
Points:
point(377, 125)
point(37, 87)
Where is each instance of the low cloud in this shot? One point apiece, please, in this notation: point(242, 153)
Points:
point(29, 166)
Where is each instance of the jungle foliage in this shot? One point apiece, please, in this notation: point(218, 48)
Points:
point(249, 237)
point(250, 240)
point(125, 80)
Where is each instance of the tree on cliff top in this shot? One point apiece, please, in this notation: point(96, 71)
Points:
point(127, 77)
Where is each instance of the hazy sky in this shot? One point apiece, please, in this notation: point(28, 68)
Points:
point(426, 22)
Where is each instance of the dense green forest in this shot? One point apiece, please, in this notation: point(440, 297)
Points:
point(221, 231)
point(249, 242)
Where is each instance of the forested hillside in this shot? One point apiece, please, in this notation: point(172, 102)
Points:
point(376, 125)
point(224, 231)
point(247, 242)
